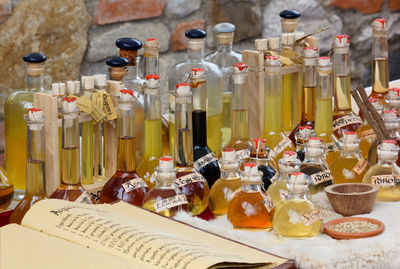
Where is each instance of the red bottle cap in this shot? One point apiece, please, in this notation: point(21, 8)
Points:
point(182, 84)
point(127, 91)
point(251, 165)
point(156, 77)
point(34, 109)
point(240, 66)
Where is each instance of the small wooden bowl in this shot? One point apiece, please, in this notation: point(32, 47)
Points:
point(342, 235)
point(350, 199)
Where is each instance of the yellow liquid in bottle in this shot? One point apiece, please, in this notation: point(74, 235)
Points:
point(380, 75)
point(15, 156)
point(342, 171)
point(309, 103)
point(226, 116)
point(366, 140)
point(287, 102)
point(171, 133)
point(278, 190)
point(385, 194)
point(139, 119)
point(214, 133)
point(155, 195)
point(221, 194)
point(288, 222)
point(240, 117)
point(87, 153)
point(342, 88)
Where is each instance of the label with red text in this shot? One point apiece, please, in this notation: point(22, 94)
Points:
point(346, 120)
point(311, 217)
point(133, 184)
point(170, 202)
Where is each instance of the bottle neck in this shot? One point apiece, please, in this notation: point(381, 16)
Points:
point(273, 100)
point(240, 112)
point(152, 123)
point(380, 68)
point(251, 186)
point(183, 146)
point(308, 111)
point(126, 159)
point(151, 64)
point(133, 70)
point(323, 107)
point(318, 159)
point(195, 54)
point(36, 155)
point(70, 149)
point(350, 153)
point(163, 182)
point(297, 195)
point(393, 133)
point(34, 83)
point(224, 48)
point(341, 73)
point(229, 173)
point(386, 161)
point(117, 73)
point(199, 114)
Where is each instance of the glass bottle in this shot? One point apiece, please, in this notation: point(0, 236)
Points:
point(117, 69)
point(181, 72)
point(165, 198)
point(224, 188)
point(70, 187)
point(204, 160)
point(380, 66)
point(392, 100)
point(152, 129)
point(344, 118)
point(225, 58)
point(128, 48)
point(189, 181)
point(6, 189)
point(16, 106)
point(35, 165)
point(125, 184)
point(240, 140)
point(386, 172)
point(301, 138)
point(278, 189)
point(310, 57)
point(251, 207)
point(315, 166)
point(58, 91)
point(276, 140)
point(297, 216)
point(323, 109)
point(350, 167)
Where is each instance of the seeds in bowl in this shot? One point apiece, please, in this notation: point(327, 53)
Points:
point(354, 227)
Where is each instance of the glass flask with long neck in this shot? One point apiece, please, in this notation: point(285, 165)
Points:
point(35, 165)
point(301, 138)
point(16, 106)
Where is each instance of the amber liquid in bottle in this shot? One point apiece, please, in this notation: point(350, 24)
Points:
point(380, 75)
point(6, 189)
point(159, 194)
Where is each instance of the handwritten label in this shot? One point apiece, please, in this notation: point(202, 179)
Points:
point(203, 161)
point(84, 198)
point(360, 166)
point(108, 107)
point(268, 203)
point(321, 177)
point(384, 180)
point(346, 120)
point(187, 179)
point(283, 194)
point(170, 202)
point(134, 184)
point(84, 104)
point(311, 217)
point(243, 154)
point(331, 147)
point(368, 135)
point(282, 145)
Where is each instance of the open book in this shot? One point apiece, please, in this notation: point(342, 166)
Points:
point(62, 234)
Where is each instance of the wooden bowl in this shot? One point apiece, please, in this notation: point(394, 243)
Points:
point(350, 199)
point(342, 235)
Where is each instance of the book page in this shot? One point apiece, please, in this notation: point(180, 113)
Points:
point(137, 235)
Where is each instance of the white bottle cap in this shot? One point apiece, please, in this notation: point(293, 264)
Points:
point(305, 131)
point(152, 81)
point(126, 95)
point(166, 163)
point(314, 146)
point(251, 172)
point(341, 44)
point(35, 114)
point(388, 149)
point(350, 141)
point(261, 44)
point(290, 156)
point(55, 88)
point(310, 55)
point(239, 73)
point(77, 86)
point(297, 182)
point(272, 60)
point(375, 103)
point(100, 80)
point(88, 83)
point(390, 115)
point(324, 61)
point(69, 105)
point(61, 88)
point(183, 89)
point(197, 73)
point(228, 154)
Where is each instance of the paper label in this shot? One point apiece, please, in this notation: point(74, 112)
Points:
point(170, 202)
point(203, 161)
point(283, 194)
point(346, 120)
point(108, 107)
point(243, 154)
point(171, 108)
point(282, 145)
point(274, 178)
point(97, 114)
point(321, 177)
point(187, 179)
point(311, 217)
point(360, 166)
point(134, 184)
point(369, 135)
point(384, 180)
point(268, 203)
point(331, 147)
point(84, 198)
point(84, 104)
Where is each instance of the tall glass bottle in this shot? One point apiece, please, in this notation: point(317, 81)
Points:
point(117, 68)
point(380, 66)
point(189, 181)
point(222, 191)
point(125, 184)
point(180, 73)
point(165, 198)
point(70, 187)
point(272, 133)
point(297, 216)
point(315, 166)
point(344, 118)
point(225, 58)
point(323, 109)
point(240, 140)
point(58, 91)
point(35, 165)
point(17, 104)
point(301, 138)
point(128, 48)
point(278, 189)
point(152, 129)
point(251, 208)
point(204, 160)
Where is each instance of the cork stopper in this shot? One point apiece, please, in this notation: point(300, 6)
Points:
point(272, 61)
point(388, 150)
point(390, 115)
point(225, 32)
point(288, 39)
point(239, 73)
point(183, 89)
point(197, 73)
point(261, 44)
point(35, 114)
point(229, 159)
point(73, 87)
point(305, 131)
point(58, 89)
point(289, 162)
point(151, 47)
point(379, 27)
point(166, 163)
point(69, 105)
point(126, 95)
point(152, 81)
point(273, 44)
point(100, 80)
point(87, 83)
point(314, 146)
point(324, 61)
point(341, 44)
point(297, 183)
point(350, 141)
point(251, 173)
point(310, 55)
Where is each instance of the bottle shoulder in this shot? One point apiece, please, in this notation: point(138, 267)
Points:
point(181, 71)
point(224, 59)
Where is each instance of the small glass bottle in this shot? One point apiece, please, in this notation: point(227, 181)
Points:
point(165, 198)
point(151, 56)
point(224, 188)
point(189, 181)
point(35, 165)
point(386, 173)
point(225, 58)
point(205, 161)
point(315, 166)
point(380, 63)
point(278, 189)
point(70, 187)
point(297, 216)
point(117, 68)
point(125, 184)
point(16, 106)
point(301, 138)
point(251, 208)
point(350, 167)
point(6, 189)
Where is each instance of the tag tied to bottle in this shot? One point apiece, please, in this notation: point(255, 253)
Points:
point(187, 179)
point(385, 180)
point(243, 154)
point(367, 135)
point(84, 198)
point(311, 217)
point(268, 202)
point(100, 107)
point(321, 177)
point(360, 166)
point(346, 120)
point(84, 104)
point(133, 184)
point(203, 161)
point(281, 146)
point(331, 147)
point(283, 194)
point(170, 202)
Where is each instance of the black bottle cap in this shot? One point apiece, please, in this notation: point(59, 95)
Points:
point(117, 61)
point(127, 43)
point(34, 57)
point(196, 33)
point(289, 14)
